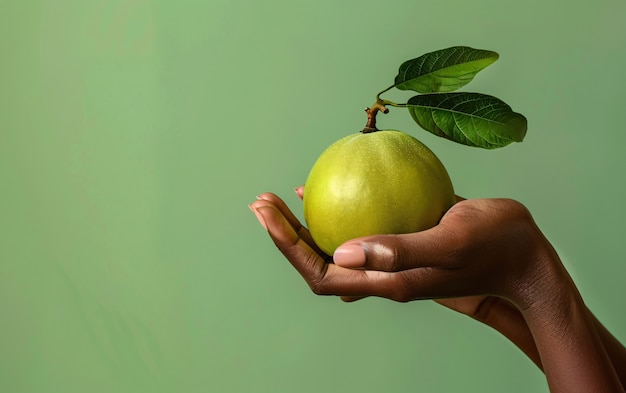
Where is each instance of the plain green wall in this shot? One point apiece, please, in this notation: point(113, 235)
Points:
point(134, 133)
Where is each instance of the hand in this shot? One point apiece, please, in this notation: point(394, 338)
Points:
point(298, 246)
point(493, 311)
point(480, 247)
point(486, 258)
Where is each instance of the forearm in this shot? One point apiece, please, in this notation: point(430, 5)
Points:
point(570, 345)
point(572, 353)
point(615, 350)
point(505, 318)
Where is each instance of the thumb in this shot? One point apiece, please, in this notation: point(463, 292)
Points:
point(392, 253)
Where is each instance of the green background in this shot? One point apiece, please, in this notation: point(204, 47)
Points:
point(134, 133)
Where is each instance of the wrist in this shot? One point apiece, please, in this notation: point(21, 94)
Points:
point(545, 285)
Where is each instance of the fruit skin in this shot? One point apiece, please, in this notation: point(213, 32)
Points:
point(381, 182)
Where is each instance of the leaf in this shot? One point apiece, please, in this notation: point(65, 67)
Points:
point(443, 70)
point(471, 119)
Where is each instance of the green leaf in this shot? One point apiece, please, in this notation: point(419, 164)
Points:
point(443, 70)
point(471, 119)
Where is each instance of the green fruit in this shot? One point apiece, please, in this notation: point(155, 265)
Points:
point(380, 182)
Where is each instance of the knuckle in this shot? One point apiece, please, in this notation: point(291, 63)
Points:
point(514, 208)
point(385, 255)
point(317, 285)
point(401, 297)
point(391, 258)
point(457, 247)
point(402, 289)
point(314, 273)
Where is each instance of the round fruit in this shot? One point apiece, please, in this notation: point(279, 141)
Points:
point(380, 182)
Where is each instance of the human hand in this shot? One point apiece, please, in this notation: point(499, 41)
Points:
point(480, 247)
point(486, 258)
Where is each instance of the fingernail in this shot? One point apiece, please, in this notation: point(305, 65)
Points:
point(350, 256)
point(259, 217)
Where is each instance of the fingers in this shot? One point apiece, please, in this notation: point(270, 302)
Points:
point(307, 260)
point(323, 278)
point(449, 260)
point(300, 191)
point(279, 204)
point(282, 207)
point(398, 267)
point(350, 284)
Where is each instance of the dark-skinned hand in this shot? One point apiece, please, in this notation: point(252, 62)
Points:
point(487, 259)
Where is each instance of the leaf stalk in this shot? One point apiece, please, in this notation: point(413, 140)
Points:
point(381, 92)
point(379, 106)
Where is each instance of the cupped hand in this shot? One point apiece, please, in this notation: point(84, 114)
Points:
point(480, 248)
point(486, 258)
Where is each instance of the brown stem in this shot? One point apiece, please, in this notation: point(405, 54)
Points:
point(370, 126)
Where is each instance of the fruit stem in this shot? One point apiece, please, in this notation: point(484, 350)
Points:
point(379, 106)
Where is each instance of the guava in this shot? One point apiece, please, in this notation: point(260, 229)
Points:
point(382, 182)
